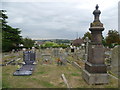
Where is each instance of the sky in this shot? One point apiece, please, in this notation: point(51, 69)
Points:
point(59, 19)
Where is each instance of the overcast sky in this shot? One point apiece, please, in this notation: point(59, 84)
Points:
point(59, 19)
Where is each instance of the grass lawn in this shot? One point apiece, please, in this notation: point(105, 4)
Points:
point(49, 76)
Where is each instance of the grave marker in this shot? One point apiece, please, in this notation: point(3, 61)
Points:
point(86, 47)
point(55, 52)
point(114, 60)
point(28, 67)
point(46, 59)
point(29, 57)
point(95, 71)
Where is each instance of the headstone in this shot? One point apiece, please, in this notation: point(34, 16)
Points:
point(13, 50)
point(55, 52)
point(114, 60)
point(46, 59)
point(28, 67)
point(95, 71)
point(29, 57)
point(33, 49)
point(61, 59)
point(67, 50)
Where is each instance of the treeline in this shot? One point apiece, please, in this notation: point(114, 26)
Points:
point(59, 41)
point(11, 38)
point(53, 45)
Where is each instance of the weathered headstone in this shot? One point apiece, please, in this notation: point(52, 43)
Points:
point(95, 71)
point(61, 60)
point(55, 52)
point(114, 60)
point(67, 50)
point(46, 59)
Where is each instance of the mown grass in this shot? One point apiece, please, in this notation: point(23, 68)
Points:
point(43, 83)
point(6, 85)
point(75, 74)
point(49, 76)
point(41, 72)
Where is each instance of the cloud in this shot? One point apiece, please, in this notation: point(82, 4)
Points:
point(59, 19)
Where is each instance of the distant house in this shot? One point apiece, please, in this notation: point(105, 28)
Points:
point(77, 42)
point(41, 43)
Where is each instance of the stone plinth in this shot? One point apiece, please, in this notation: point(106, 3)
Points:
point(95, 78)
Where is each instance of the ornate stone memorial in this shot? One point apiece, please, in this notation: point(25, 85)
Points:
point(95, 71)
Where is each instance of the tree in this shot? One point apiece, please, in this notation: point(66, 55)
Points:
point(49, 44)
point(10, 36)
point(87, 34)
point(28, 43)
point(113, 37)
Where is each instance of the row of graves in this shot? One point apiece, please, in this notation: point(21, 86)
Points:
point(112, 60)
point(29, 61)
point(28, 66)
point(56, 56)
point(53, 56)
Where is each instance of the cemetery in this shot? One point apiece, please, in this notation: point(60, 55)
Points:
point(89, 66)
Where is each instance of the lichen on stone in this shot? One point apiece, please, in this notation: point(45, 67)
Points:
point(96, 24)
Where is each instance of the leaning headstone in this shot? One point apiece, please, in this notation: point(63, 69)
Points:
point(114, 60)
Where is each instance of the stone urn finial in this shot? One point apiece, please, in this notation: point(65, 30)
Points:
point(96, 13)
point(96, 22)
point(97, 7)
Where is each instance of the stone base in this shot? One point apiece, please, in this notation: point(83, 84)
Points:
point(96, 78)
